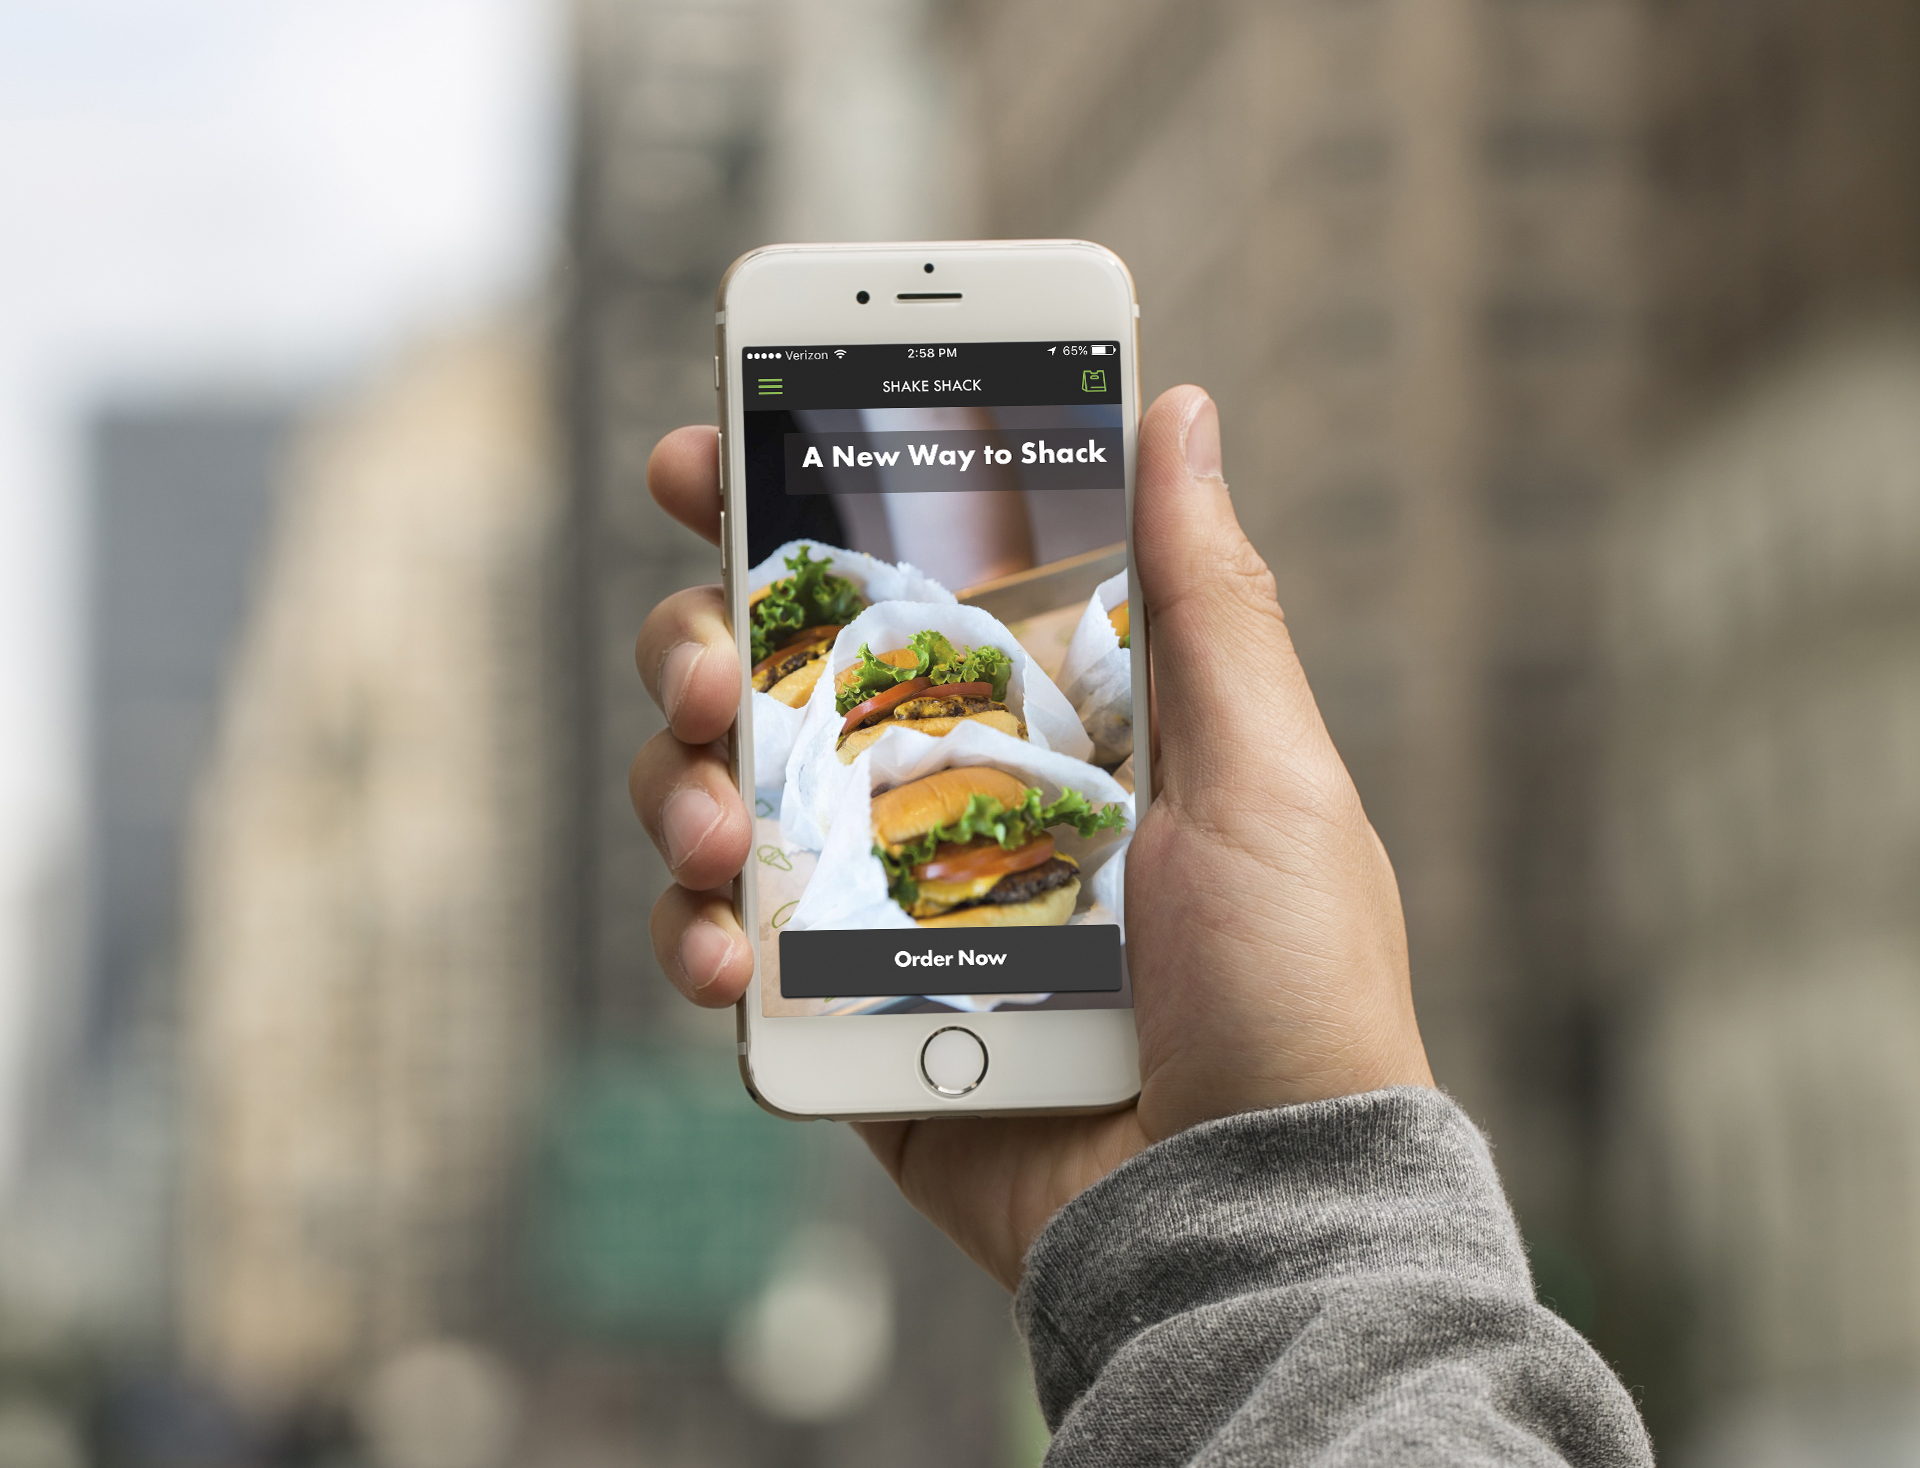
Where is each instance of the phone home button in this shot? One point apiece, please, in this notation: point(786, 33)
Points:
point(953, 1061)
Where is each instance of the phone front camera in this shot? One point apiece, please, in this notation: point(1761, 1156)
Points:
point(929, 267)
point(863, 298)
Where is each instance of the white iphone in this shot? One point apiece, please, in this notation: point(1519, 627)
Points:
point(927, 464)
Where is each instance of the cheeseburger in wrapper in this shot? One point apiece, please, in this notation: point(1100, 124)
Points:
point(857, 881)
point(1096, 674)
point(971, 848)
point(929, 686)
point(793, 622)
point(798, 598)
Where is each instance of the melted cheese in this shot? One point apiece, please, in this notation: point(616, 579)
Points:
point(937, 896)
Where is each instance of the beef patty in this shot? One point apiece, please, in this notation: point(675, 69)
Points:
point(815, 642)
point(937, 708)
point(1024, 886)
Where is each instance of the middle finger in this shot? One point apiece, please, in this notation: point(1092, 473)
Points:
point(686, 658)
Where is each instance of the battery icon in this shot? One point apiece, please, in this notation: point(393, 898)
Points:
point(1101, 349)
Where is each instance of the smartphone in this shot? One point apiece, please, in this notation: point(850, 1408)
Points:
point(927, 466)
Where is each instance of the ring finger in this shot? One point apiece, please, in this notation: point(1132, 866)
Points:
point(684, 796)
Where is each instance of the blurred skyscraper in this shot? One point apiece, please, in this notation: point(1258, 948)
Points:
point(364, 1012)
point(180, 500)
point(669, 176)
point(1783, 151)
point(1763, 797)
point(1765, 854)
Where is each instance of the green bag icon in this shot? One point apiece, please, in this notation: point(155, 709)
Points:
point(1093, 379)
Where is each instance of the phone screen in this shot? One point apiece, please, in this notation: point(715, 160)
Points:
point(943, 716)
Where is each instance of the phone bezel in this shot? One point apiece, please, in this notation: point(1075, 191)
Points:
point(867, 1066)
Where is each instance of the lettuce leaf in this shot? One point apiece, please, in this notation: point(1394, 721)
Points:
point(870, 676)
point(811, 597)
point(1012, 827)
point(935, 658)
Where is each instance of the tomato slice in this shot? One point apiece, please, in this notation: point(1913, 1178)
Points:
point(960, 690)
point(984, 857)
point(880, 703)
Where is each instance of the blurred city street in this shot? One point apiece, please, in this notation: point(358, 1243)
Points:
point(1568, 359)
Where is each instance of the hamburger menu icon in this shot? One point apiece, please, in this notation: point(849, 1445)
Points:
point(973, 848)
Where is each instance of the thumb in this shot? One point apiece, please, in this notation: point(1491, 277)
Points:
point(1228, 688)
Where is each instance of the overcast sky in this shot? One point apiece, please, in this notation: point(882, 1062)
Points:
point(224, 193)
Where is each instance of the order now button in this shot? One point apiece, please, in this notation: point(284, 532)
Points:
point(872, 963)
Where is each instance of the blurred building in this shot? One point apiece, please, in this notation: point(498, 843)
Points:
point(1782, 142)
point(182, 501)
point(1394, 241)
point(671, 107)
point(1762, 824)
point(1764, 855)
point(180, 497)
point(364, 1008)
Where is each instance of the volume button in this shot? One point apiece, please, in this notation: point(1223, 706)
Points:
point(723, 543)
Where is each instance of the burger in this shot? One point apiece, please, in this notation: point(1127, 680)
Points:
point(793, 622)
point(1122, 624)
point(789, 672)
point(970, 848)
point(928, 685)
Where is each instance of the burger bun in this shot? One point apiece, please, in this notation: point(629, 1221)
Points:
point(907, 812)
point(797, 687)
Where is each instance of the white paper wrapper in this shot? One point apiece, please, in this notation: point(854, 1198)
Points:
point(816, 780)
point(780, 874)
point(774, 724)
point(848, 887)
point(1097, 675)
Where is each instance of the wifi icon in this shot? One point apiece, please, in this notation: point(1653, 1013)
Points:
point(841, 353)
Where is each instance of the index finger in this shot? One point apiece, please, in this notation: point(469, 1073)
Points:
point(683, 474)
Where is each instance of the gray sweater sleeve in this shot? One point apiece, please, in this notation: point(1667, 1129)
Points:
point(1338, 1283)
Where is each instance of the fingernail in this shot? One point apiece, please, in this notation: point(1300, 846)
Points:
point(676, 674)
point(1203, 442)
point(705, 950)
point(685, 819)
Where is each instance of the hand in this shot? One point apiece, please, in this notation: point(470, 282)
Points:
point(1264, 932)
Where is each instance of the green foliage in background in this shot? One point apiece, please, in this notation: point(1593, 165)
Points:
point(1025, 1437)
point(1562, 1278)
point(664, 1193)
